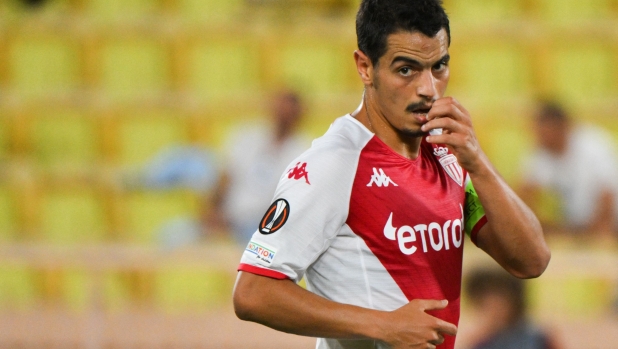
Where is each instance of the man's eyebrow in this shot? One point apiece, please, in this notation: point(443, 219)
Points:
point(407, 60)
point(413, 62)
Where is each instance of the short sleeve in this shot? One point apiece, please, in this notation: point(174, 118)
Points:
point(474, 213)
point(309, 208)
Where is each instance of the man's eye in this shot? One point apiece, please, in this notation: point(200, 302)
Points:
point(440, 66)
point(405, 71)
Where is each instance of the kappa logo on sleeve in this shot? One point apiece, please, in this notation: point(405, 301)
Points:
point(299, 171)
point(275, 217)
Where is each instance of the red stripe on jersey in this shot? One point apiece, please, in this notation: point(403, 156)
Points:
point(476, 229)
point(262, 271)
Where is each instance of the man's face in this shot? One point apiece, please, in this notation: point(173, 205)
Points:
point(409, 77)
point(552, 135)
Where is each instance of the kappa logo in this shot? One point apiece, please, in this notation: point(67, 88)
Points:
point(299, 171)
point(439, 236)
point(450, 164)
point(380, 179)
point(275, 217)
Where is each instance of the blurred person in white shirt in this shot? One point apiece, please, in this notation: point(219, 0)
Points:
point(255, 157)
point(578, 164)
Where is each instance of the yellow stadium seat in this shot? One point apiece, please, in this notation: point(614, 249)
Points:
point(506, 140)
point(64, 138)
point(17, 288)
point(134, 67)
point(582, 72)
point(569, 12)
point(316, 65)
point(43, 64)
point(72, 216)
point(143, 134)
point(114, 9)
point(212, 11)
point(5, 136)
point(182, 290)
point(478, 12)
point(76, 290)
point(146, 213)
point(575, 296)
point(8, 214)
point(223, 68)
point(489, 71)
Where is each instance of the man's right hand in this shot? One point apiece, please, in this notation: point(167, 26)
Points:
point(410, 327)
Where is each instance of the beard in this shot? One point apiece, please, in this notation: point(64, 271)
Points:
point(407, 133)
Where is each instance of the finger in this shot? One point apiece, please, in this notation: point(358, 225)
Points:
point(459, 105)
point(445, 107)
point(439, 339)
point(451, 139)
point(446, 124)
point(446, 328)
point(432, 304)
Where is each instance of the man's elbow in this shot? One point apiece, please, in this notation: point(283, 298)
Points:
point(241, 299)
point(533, 267)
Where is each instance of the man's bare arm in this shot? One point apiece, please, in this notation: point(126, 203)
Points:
point(287, 307)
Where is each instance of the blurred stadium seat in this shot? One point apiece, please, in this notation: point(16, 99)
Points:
point(572, 12)
point(211, 12)
point(576, 296)
point(583, 72)
point(40, 65)
point(224, 66)
point(64, 138)
point(318, 65)
point(133, 67)
point(490, 71)
point(17, 289)
point(146, 213)
point(141, 133)
point(72, 215)
point(120, 9)
point(8, 214)
point(183, 290)
point(483, 12)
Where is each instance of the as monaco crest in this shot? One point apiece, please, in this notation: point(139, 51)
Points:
point(450, 165)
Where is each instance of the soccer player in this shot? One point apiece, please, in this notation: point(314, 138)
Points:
point(374, 213)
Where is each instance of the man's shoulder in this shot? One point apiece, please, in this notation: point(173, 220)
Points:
point(345, 134)
point(336, 153)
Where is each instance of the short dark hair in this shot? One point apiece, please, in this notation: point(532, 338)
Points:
point(377, 19)
point(550, 110)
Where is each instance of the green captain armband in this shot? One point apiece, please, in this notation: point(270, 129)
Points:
point(474, 214)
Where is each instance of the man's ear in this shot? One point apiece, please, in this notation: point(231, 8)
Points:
point(364, 67)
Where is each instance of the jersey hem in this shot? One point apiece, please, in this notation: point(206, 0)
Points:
point(262, 271)
point(476, 229)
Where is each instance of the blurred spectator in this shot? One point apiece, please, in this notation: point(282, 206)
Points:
point(255, 158)
point(578, 163)
point(499, 299)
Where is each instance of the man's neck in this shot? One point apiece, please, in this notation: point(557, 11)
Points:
point(405, 145)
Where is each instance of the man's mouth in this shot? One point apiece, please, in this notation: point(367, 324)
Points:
point(423, 110)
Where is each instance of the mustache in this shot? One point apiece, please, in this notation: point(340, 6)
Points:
point(418, 105)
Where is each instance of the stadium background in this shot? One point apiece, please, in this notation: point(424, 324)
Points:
point(92, 89)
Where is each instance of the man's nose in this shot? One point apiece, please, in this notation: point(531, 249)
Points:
point(427, 86)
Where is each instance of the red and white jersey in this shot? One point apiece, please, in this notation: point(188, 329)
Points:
point(367, 226)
